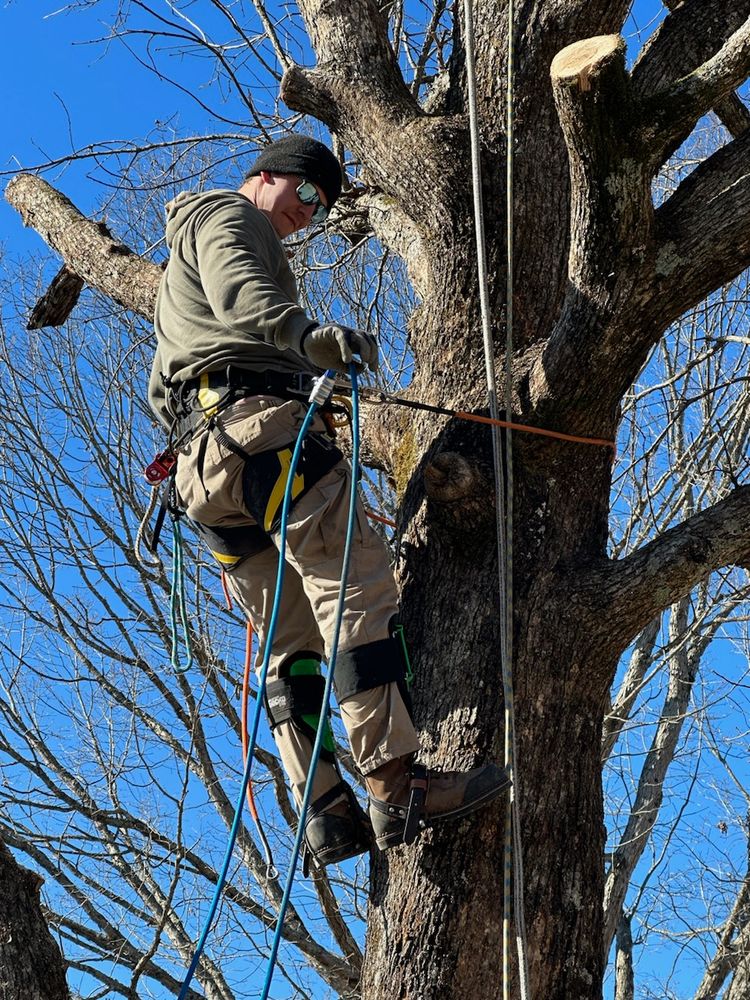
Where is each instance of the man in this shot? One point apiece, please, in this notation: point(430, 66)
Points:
point(233, 350)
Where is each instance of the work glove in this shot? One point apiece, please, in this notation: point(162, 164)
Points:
point(333, 346)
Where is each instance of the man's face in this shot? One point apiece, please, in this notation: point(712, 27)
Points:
point(277, 198)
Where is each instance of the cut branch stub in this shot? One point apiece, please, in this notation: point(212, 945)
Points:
point(58, 302)
point(611, 203)
point(587, 357)
point(86, 247)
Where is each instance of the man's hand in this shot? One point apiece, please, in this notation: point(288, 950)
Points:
point(333, 346)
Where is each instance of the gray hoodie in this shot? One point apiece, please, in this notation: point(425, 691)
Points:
point(228, 295)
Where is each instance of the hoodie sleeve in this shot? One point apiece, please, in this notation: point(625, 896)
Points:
point(243, 271)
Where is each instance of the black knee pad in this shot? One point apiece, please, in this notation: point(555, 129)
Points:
point(297, 697)
point(385, 661)
point(265, 476)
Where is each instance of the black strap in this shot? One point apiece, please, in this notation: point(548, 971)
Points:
point(167, 504)
point(368, 666)
point(291, 697)
point(284, 384)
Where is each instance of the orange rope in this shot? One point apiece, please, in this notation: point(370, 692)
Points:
point(383, 397)
point(225, 588)
point(527, 429)
point(379, 517)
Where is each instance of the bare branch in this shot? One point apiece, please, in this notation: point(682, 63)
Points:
point(703, 232)
point(58, 302)
point(87, 247)
point(624, 979)
point(683, 668)
point(660, 573)
point(693, 63)
point(642, 657)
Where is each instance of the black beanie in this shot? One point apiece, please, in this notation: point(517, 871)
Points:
point(308, 158)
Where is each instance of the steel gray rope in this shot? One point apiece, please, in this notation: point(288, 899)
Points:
point(513, 860)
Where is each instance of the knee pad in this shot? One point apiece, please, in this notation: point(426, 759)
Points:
point(385, 661)
point(265, 476)
point(297, 697)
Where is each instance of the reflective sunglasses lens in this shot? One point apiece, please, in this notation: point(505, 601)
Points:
point(308, 195)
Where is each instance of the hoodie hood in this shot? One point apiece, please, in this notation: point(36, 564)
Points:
point(186, 203)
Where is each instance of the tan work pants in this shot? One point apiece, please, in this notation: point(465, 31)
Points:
point(376, 721)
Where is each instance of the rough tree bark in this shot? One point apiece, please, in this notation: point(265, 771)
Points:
point(600, 273)
point(31, 966)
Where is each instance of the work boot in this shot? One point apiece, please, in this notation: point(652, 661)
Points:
point(406, 798)
point(336, 828)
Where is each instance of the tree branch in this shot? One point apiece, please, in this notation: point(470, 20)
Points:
point(630, 592)
point(669, 112)
point(624, 979)
point(610, 221)
point(640, 661)
point(87, 247)
point(358, 90)
point(58, 302)
point(703, 232)
point(683, 668)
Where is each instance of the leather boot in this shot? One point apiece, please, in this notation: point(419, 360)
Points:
point(406, 798)
point(336, 828)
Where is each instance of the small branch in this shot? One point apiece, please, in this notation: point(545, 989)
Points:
point(618, 715)
point(624, 978)
point(86, 247)
point(683, 668)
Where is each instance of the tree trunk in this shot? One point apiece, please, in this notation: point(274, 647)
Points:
point(31, 965)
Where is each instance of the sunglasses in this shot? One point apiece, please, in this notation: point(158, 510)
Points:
point(308, 195)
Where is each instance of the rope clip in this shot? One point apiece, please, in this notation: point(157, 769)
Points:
point(322, 388)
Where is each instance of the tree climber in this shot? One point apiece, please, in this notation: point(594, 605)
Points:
point(236, 355)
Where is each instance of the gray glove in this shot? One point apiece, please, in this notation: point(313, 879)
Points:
point(332, 346)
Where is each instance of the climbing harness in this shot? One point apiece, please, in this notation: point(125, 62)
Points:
point(320, 393)
point(513, 860)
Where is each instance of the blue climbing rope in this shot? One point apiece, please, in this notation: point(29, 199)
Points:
point(321, 391)
point(327, 692)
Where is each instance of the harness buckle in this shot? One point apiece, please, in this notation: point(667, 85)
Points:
point(160, 469)
point(417, 798)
